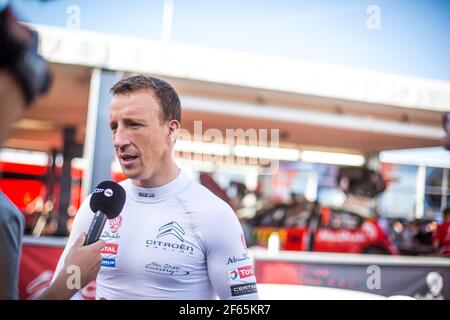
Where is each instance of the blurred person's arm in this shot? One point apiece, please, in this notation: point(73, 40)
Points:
point(11, 221)
point(81, 223)
point(11, 230)
point(86, 258)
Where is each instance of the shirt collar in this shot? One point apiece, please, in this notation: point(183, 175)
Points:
point(152, 195)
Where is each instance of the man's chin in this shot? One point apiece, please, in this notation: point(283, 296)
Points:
point(130, 173)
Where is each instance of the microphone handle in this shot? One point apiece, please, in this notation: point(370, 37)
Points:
point(96, 228)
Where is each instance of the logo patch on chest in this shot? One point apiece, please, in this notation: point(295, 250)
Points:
point(171, 228)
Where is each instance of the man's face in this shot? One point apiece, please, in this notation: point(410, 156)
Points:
point(141, 140)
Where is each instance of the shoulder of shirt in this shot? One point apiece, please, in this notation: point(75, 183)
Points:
point(198, 198)
point(8, 211)
point(123, 183)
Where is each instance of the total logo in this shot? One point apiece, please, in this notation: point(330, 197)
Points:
point(109, 253)
point(110, 249)
point(241, 273)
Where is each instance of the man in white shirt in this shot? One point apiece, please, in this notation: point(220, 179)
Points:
point(174, 238)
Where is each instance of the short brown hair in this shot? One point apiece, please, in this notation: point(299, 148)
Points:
point(166, 94)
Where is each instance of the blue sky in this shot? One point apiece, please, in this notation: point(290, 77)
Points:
point(414, 37)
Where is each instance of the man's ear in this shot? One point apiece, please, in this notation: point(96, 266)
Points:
point(174, 130)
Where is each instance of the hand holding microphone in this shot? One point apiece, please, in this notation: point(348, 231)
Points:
point(106, 202)
point(88, 258)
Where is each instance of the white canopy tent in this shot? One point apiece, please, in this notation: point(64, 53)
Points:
point(315, 106)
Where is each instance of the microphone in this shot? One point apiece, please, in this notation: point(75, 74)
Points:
point(106, 202)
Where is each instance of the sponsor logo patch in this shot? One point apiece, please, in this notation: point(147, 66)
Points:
point(235, 259)
point(110, 249)
point(233, 275)
point(168, 246)
point(109, 262)
point(172, 228)
point(241, 273)
point(165, 269)
point(146, 195)
point(114, 224)
point(243, 289)
point(170, 231)
point(106, 235)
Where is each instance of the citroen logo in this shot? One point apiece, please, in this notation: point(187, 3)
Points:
point(172, 228)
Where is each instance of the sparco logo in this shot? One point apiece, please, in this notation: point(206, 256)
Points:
point(146, 194)
point(172, 228)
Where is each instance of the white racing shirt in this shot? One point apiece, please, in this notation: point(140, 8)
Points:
point(179, 241)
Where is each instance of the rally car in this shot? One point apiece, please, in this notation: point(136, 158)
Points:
point(306, 227)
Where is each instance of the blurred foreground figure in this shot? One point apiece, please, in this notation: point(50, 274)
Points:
point(24, 76)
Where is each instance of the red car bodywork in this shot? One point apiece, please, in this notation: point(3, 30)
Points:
point(366, 237)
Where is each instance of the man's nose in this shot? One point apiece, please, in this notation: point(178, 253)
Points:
point(120, 138)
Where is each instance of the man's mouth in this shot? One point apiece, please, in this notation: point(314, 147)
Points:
point(127, 159)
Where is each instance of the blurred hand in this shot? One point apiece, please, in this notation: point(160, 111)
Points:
point(87, 258)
